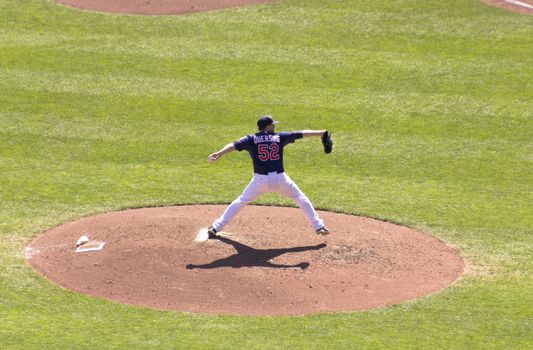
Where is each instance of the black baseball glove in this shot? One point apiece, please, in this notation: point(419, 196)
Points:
point(327, 141)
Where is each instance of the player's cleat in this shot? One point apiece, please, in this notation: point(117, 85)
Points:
point(322, 231)
point(211, 232)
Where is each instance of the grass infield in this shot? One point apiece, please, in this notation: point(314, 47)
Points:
point(431, 108)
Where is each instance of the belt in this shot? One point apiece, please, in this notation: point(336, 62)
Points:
point(271, 173)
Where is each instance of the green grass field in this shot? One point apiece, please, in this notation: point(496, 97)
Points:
point(430, 104)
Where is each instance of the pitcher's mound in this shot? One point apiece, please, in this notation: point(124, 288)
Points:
point(268, 261)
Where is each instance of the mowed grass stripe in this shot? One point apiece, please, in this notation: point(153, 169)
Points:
point(310, 53)
point(333, 67)
point(362, 103)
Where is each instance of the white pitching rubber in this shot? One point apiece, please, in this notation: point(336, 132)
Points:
point(202, 235)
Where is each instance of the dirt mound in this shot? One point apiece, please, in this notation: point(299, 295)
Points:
point(268, 261)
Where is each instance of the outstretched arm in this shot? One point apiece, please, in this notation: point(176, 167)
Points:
point(226, 149)
point(312, 133)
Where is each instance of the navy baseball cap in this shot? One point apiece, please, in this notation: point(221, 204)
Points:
point(265, 121)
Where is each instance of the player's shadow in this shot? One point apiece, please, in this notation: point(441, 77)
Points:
point(250, 257)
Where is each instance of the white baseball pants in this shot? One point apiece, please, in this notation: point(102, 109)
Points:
point(273, 182)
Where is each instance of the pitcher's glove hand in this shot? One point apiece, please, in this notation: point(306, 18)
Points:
point(327, 141)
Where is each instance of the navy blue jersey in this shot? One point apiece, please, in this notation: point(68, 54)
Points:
point(266, 149)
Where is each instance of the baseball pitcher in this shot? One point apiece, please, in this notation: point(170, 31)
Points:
point(266, 150)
